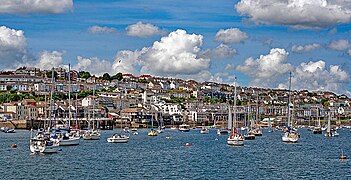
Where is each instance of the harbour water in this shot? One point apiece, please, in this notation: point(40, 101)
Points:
point(166, 157)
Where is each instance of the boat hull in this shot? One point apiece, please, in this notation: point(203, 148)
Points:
point(117, 140)
point(290, 139)
point(70, 142)
point(91, 137)
point(235, 142)
point(204, 131)
point(249, 137)
point(40, 148)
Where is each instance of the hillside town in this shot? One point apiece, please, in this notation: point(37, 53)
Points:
point(36, 96)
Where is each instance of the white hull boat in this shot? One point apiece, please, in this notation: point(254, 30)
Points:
point(290, 137)
point(235, 140)
point(43, 146)
point(72, 141)
point(118, 139)
point(204, 131)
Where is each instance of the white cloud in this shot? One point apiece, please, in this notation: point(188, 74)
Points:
point(305, 48)
point(143, 30)
point(349, 52)
point(35, 6)
point(267, 70)
point(13, 48)
point(231, 35)
point(100, 29)
point(315, 76)
point(340, 45)
point(296, 13)
point(177, 53)
point(48, 60)
point(220, 52)
point(127, 61)
point(93, 65)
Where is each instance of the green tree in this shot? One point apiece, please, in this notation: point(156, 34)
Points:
point(49, 74)
point(117, 76)
point(8, 87)
point(84, 74)
point(106, 76)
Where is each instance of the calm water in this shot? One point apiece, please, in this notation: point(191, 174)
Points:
point(208, 157)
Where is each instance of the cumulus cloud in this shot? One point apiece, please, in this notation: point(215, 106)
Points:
point(100, 29)
point(339, 45)
point(296, 13)
point(220, 52)
point(177, 53)
point(94, 65)
point(127, 61)
point(13, 48)
point(305, 48)
point(35, 6)
point(143, 30)
point(267, 70)
point(48, 60)
point(316, 76)
point(231, 35)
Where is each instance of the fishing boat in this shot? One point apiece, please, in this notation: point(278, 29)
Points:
point(235, 139)
point(184, 128)
point(204, 130)
point(290, 135)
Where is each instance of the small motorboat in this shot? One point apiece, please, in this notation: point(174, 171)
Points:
point(118, 138)
point(204, 130)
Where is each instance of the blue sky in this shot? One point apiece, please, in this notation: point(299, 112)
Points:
point(260, 46)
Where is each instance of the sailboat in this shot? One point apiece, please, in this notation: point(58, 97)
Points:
point(152, 131)
point(42, 143)
point(290, 134)
point(329, 132)
point(92, 134)
point(250, 135)
point(318, 129)
point(118, 137)
point(67, 138)
point(235, 139)
point(257, 131)
point(204, 130)
point(222, 131)
point(269, 125)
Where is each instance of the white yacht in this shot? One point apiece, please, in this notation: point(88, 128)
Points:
point(118, 138)
point(184, 128)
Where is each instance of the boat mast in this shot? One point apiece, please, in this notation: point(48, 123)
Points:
point(234, 108)
point(69, 95)
point(289, 99)
point(51, 94)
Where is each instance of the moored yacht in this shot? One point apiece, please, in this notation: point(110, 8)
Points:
point(118, 138)
point(184, 128)
point(204, 130)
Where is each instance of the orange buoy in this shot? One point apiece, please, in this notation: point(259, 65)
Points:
point(343, 157)
point(187, 144)
point(14, 146)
